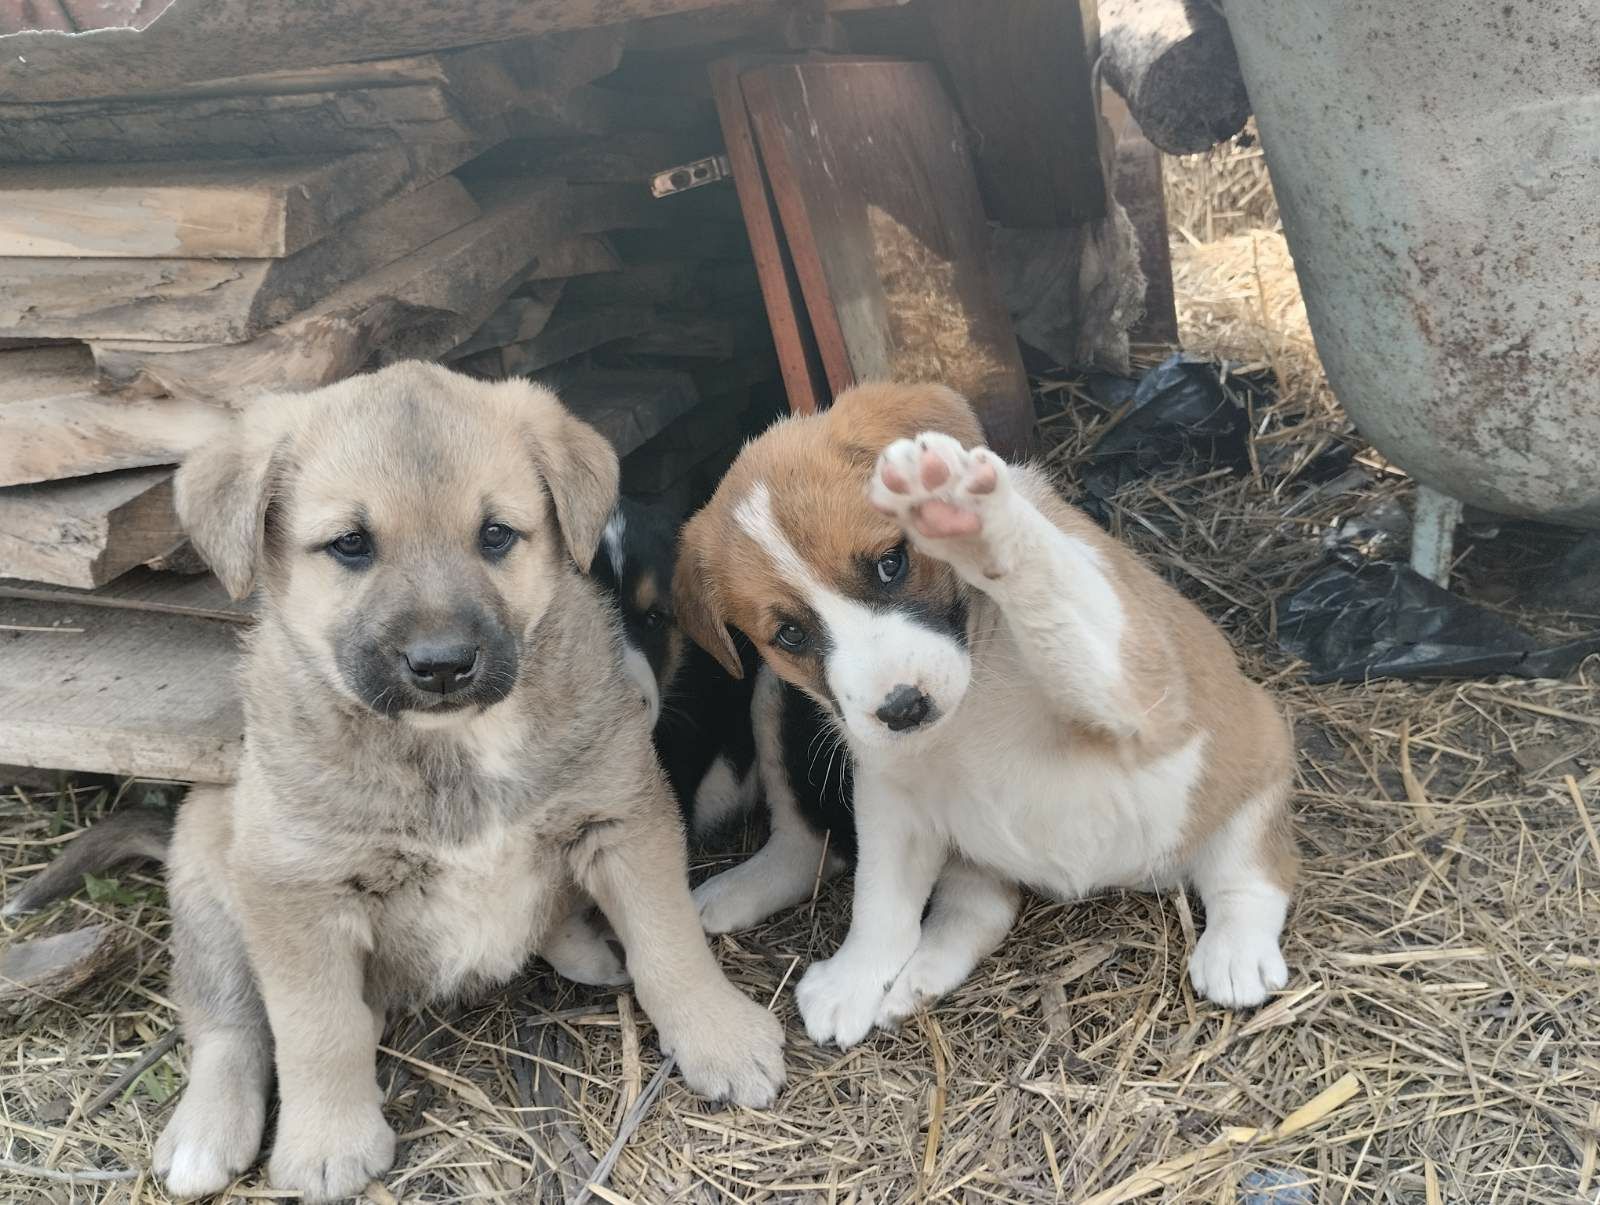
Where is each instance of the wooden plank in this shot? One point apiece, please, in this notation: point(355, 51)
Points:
point(580, 256)
point(627, 406)
point(629, 157)
point(252, 208)
point(570, 333)
point(198, 595)
point(219, 300)
point(124, 693)
point(50, 371)
point(87, 531)
point(881, 211)
point(420, 307)
point(519, 318)
point(480, 95)
point(1139, 190)
point(1021, 72)
point(798, 359)
point(215, 39)
point(50, 438)
point(697, 336)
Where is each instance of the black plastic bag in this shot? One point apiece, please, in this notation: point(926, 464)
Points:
point(1385, 620)
point(1182, 414)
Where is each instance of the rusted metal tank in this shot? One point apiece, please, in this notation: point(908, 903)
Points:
point(1437, 163)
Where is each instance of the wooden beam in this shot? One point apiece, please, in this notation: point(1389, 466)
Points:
point(87, 531)
point(798, 359)
point(218, 300)
point(570, 333)
point(1021, 72)
point(234, 209)
point(894, 270)
point(520, 317)
point(420, 306)
point(199, 595)
point(51, 438)
point(118, 692)
point(216, 39)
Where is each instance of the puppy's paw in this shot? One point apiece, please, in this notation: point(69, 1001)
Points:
point(1235, 967)
point(929, 975)
point(328, 1158)
point(731, 901)
point(949, 499)
point(585, 950)
point(731, 1052)
point(839, 1001)
point(210, 1141)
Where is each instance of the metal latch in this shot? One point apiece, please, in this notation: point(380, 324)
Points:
point(691, 175)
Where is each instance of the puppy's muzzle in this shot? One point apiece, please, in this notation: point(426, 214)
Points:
point(905, 708)
point(442, 666)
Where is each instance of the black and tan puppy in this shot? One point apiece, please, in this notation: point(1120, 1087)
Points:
point(443, 761)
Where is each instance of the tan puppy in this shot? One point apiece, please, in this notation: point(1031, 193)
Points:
point(1023, 699)
point(443, 761)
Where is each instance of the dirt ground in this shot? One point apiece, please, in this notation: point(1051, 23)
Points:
point(1439, 1039)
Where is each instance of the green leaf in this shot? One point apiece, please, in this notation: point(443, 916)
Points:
point(109, 890)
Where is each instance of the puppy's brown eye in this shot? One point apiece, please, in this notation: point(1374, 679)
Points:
point(792, 637)
point(892, 566)
point(354, 547)
point(496, 538)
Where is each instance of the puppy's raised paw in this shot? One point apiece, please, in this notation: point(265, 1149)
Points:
point(947, 498)
point(733, 1052)
point(326, 1159)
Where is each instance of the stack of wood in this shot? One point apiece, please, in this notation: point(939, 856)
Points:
point(167, 256)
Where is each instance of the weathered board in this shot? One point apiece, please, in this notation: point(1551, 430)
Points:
point(198, 595)
point(219, 300)
point(27, 373)
point(87, 531)
point(700, 336)
point(569, 333)
point(1022, 73)
point(804, 379)
point(627, 406)
point(51, 438)
point(478, 96)
point(150, 696)
point(880, 207)
point(231, 209)
point(519, 318)
point(419, 306)
point(215, 39)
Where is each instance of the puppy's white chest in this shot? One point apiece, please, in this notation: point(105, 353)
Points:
point(1069, 821)
point(470, 913)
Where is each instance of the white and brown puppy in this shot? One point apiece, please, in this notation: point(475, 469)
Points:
point(1024, 700)
point(442, 759)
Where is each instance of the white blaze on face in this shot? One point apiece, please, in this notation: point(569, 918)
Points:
point(870, 650)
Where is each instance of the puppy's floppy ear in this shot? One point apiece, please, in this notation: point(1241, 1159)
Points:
point(868, 418)
point(580, 466)
point(222, 492)
point(697, 599)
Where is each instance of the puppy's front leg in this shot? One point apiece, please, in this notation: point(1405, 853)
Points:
point(727, 1046)
point(963, 506)
point(897, 861)
point(309, 955)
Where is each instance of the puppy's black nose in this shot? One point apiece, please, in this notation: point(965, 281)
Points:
point(906, 707)
point(442, 667)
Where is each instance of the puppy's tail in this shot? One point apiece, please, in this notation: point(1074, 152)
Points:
point(136, 835)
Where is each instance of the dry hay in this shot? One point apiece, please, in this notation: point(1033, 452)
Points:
point(1221, 192)
point(1442, 1023)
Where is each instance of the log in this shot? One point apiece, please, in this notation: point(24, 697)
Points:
point(86, 532)
point(420, 306)
point(1173, 62)
point(51, 438)
point(251, 208)
point(119, 692)
point(216, 39)
point(219, 300)
point(38, 973)
point(518, 319)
